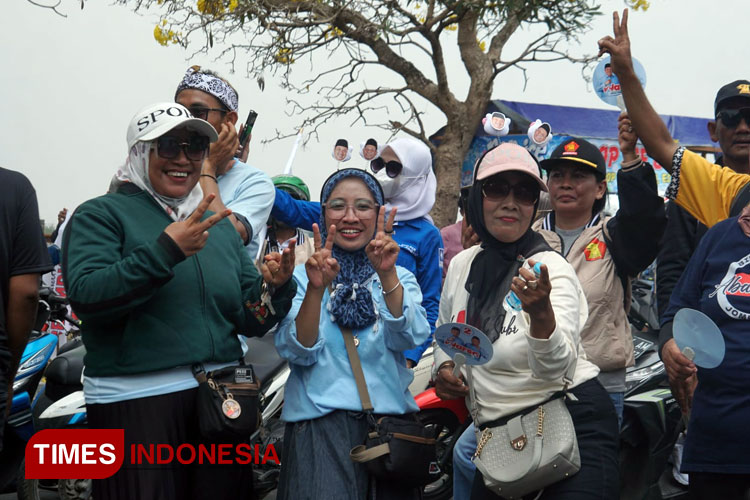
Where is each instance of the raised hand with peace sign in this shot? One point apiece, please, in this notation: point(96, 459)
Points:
point(619, 46)
point(192, 233)
point(277, 268)
point(382, 250)
point(321, 267)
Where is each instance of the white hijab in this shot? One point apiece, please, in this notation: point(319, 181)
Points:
point(415, 194)
point(135, 170)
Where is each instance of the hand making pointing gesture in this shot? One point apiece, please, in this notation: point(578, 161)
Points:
point(192, 233)
point(321, 267)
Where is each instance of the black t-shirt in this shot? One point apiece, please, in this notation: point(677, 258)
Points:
point(22, 246)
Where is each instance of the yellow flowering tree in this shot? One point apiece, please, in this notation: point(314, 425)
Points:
point(349, 45)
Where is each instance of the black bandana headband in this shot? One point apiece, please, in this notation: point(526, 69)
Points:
point(210, 84)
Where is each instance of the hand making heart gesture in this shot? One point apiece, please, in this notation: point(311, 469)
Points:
point(321, 267)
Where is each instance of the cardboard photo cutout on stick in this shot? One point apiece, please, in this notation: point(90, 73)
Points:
point(341, 150)
point(496, 124)
point(539, 132)
point(369, 149)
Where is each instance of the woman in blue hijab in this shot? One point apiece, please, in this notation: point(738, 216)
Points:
point(351, 282)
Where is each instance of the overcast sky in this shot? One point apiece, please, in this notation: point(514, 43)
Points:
point(71, 85)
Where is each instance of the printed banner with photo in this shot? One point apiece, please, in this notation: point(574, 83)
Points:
point(608, 147)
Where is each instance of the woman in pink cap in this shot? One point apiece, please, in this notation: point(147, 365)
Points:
point(535, 348)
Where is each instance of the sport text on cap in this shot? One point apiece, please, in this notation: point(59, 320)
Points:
point(155, 120)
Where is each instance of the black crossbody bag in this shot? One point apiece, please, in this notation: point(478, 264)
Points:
point(397, 448)
point(228, 404)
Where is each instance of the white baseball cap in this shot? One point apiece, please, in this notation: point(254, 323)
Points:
point(155, 120)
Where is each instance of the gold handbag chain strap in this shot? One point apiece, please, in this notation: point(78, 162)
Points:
point(540, 421)
point(486, 435)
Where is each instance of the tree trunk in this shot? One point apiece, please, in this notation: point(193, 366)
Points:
point(454, 145)
point(448, 160)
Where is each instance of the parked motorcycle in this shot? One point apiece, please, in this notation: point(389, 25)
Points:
point(448, 419)
point(62, 405)
point(38, 351)
point(652, 422)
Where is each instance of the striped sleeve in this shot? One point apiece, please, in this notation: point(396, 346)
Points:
point(702, 188)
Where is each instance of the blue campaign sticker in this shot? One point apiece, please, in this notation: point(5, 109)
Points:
point(606, 84)
point(460, 338)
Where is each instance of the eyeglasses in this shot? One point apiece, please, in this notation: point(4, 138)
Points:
point(202, 113)
point(392, 168)
point(732, 117)
point(169, 147)
point(523, 193)
point(363, 209)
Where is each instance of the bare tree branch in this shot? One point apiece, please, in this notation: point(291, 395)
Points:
point(53, 8)
point(330, 55)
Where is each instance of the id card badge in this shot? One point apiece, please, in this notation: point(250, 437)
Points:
point(244, 375)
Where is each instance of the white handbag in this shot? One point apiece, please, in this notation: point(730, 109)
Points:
point(532, 450)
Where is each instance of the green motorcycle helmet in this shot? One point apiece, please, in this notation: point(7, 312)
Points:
point(292, 185)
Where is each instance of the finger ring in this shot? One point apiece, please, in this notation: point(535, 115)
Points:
point(388, 232)
point(533, 284)
point(630, 129)
point(525, 287)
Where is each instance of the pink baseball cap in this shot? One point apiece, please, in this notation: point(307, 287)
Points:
point(509, 157)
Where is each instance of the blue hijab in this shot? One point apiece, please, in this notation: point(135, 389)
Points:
point(351, 304)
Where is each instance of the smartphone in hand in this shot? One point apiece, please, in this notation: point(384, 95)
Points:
point(248, 127)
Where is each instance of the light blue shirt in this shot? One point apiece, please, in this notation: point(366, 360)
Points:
point(248, 192)
point(321, 378)
point(104, 390)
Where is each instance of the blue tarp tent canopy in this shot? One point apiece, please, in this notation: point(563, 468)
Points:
point(594, 123)
point(590, 123)
point(599, 126)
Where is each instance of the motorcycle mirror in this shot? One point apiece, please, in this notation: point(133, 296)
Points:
point(698, 336)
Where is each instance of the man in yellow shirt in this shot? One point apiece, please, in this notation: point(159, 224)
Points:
point(705, 190)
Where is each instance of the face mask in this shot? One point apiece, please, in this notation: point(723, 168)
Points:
point(391, 186)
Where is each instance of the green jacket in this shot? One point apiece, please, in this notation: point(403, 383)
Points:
point(146, 307)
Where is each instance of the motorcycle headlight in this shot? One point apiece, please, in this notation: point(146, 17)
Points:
point(634, 378)
point(33, 363)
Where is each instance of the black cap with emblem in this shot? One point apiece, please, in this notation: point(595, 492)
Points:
point(738, 88)
point(577, 151)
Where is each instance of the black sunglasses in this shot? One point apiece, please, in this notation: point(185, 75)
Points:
point(169, 147)
point(523, 193)
point(392, 168)
point(202, 113)
point(732, 117)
